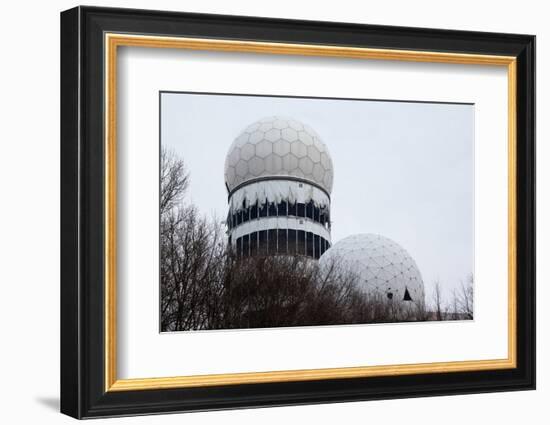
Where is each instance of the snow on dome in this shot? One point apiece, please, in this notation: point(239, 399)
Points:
point(381, 266)
point(277, 191)
point(278, 146)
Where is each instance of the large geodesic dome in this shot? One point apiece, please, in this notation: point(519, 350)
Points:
point(277, 147)
point(380, 265)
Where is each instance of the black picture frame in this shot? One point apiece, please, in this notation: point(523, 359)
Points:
point(83, 392)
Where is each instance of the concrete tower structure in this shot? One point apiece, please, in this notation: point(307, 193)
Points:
point(278, 174)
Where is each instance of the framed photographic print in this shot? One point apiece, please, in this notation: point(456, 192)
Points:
point(261, 212)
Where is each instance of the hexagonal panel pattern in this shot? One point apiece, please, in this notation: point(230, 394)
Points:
point(247, 151)
point(278, 146)
point(306, 164)
point(290, 163)
point(281, 147)
point(380, 265)
point(273, 163)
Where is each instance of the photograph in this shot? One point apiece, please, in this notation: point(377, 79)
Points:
point(280, 211)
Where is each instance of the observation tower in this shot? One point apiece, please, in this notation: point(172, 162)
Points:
point(278, 175)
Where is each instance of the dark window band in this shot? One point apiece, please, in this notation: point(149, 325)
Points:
point(283, 209)
point(281, 241)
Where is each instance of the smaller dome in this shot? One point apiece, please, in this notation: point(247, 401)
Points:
point(278, 147)
point(381, 266)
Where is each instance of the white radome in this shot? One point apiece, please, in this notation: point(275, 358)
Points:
point(278, 146)
point(381, 266)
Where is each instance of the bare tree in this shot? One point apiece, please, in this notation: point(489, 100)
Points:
point(174, 180)
point(190, 249)
point(465, 298)
point(437, 299)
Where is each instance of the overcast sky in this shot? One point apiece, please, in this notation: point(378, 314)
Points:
point(403, 170)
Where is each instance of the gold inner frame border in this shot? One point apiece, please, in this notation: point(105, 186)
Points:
point(113, 40)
